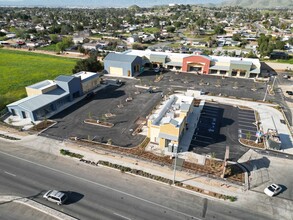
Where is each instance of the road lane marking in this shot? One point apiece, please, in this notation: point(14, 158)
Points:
point(103, 186)
point(121, 216)
point(11, 174)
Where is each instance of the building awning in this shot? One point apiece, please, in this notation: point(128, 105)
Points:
point(217, 67)
point(174, 63)
point(168, 136)
point(156, 58)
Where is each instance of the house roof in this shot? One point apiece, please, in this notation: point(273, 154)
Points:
point(32, 103)
point(120, 57)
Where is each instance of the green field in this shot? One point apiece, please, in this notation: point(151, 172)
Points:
point(19, 69)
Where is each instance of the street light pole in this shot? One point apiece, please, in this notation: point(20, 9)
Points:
point(175, 163)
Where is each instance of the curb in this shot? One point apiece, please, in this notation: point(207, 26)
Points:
point(38, 206)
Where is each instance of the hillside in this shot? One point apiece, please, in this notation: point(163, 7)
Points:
point(259, 3)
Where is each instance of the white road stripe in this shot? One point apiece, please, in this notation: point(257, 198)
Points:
point(103, 186)
point(11, 174)
point(121, 216)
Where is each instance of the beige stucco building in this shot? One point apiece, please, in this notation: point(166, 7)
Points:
point(169, 122)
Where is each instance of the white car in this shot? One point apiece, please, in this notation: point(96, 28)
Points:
point(55, 196)
point(272, 189)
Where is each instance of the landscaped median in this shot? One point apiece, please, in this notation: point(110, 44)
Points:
point(142, 173)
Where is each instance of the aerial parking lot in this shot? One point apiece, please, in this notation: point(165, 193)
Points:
point(106, 101)
point(220, 126)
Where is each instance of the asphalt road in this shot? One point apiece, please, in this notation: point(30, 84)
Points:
point(100, 193)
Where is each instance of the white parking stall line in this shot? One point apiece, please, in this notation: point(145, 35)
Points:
point(245, 122)
point(201, 141)
point(246, 126)
point(204, 137)
point(246, 130)
point(211, 110)
point(246, 118)
point(246, 113)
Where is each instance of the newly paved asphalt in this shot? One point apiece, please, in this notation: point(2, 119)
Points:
point(220, 126)
point(100, 193)
point(70, 121)
point(230, 123)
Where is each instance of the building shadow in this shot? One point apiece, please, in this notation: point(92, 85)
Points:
point(266, 70)
point(256, 164)
point(286, 141)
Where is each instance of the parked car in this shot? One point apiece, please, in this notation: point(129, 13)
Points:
point(55, 196)
point(273, 189)
point(289, 92)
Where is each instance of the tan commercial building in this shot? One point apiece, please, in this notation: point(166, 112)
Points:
point(168, 124)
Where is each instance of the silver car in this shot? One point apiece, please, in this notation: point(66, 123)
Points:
point(55, 196)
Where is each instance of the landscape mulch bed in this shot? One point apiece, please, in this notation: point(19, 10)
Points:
point(251, 143)
point(42, 125)
point(211, 167)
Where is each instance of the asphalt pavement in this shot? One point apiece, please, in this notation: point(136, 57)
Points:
point(104, 193)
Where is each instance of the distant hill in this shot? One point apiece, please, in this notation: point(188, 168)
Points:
point(259, 3)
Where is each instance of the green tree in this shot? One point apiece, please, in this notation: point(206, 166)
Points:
point(60, 47)
point(219, 30)
point(170, 29)
point(90, 64)
point(54, 38)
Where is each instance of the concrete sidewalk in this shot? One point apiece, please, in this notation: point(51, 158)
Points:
point(35, 205)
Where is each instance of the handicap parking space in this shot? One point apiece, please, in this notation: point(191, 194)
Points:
point(246, 124)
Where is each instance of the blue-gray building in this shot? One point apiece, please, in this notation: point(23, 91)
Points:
point(122, 65)
point(47, 97)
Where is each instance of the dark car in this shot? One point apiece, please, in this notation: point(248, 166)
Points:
point(289, 92)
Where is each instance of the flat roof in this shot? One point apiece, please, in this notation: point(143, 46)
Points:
point(170, 110)
point(85, 75)
point(42, 85)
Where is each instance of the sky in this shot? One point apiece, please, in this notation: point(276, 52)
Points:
point(100, 3)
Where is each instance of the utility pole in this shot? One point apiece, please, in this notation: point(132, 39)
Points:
point(264, 99)
point(274, 82)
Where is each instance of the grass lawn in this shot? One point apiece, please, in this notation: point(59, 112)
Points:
point(51, 47)
point(19, 69)
point(289, 61)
